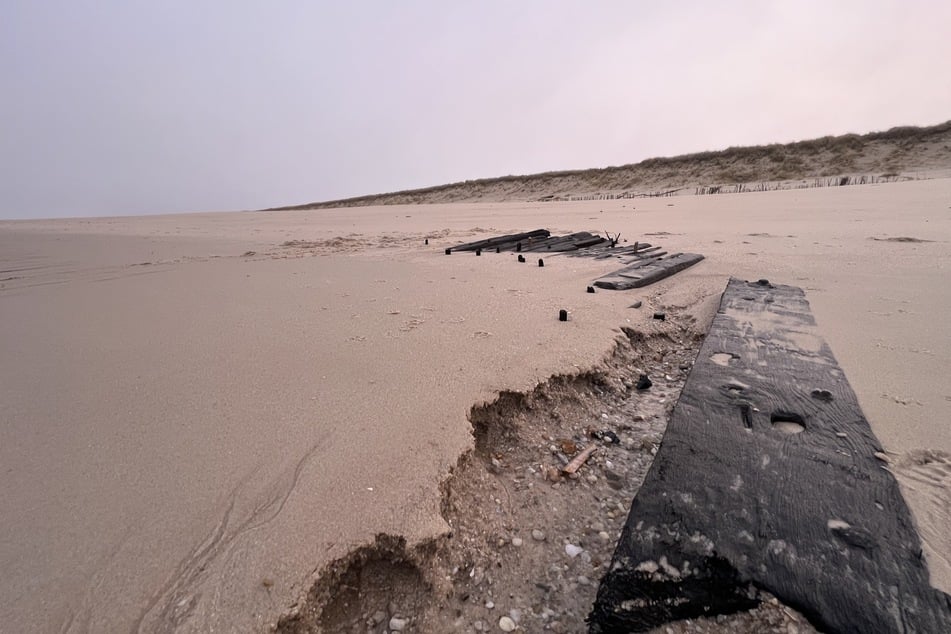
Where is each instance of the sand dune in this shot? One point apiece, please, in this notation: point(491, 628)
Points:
point(199, 412)
point(903, 153)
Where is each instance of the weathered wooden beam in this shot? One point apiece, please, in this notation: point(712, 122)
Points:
point(584, 243)
point(512, 245)
point(645, 272)
point(568, 242)
point(492, 242)
point(606, 252)
point(638, 251)
point(645, 248)
point(767, 478)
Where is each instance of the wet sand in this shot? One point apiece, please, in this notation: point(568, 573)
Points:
point(190, 431)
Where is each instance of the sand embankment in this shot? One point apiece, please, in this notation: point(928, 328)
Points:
point(189, 431)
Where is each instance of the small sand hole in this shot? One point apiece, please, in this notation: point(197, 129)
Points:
point(788, 422)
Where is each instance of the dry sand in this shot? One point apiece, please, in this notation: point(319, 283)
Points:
point(190, 432)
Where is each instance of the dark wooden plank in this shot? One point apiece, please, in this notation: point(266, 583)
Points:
point(636, 250)
point(603, 250)
point(645, 248)
point(511, 245)
point(642, 273)
point(639, 253)
point(491, 242)
point(736, 498)
point(591, 241)
point(569, 242)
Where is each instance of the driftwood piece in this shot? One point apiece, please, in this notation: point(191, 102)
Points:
point(767, 478)
point(580, 459)
point(641, 273)
point(492, 242)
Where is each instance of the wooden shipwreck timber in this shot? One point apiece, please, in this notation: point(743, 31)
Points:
point(644, 263)
point(769, 477)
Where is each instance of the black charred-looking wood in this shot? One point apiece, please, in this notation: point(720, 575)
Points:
point(639, 255)
point(525, 242)
point(644, 272)
point(570, 242)
point(636, 250)
point(588, 242)
point(537, 240)
point(548, 243)
point(491, 242)
point(767, 478)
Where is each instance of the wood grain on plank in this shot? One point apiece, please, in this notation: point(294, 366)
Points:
point(645, 272)
point(570, 242)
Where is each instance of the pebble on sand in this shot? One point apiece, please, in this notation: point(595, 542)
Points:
point(397, 624)
point(573, 551)
point(506, 624)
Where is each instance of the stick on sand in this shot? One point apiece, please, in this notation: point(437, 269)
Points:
point(580, 459)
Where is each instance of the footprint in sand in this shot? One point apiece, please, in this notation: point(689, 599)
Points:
point(900, 400)
point(412, 324)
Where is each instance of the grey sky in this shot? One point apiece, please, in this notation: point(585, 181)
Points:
point(128, 107)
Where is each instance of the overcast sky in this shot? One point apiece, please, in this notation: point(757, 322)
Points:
point(130, 107)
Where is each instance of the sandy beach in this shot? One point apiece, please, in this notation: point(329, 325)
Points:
point(198, 413)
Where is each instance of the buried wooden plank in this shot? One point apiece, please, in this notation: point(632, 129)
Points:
point(492, 242)
point(637, 250)
point(767, 477)
point(570, 242)
point(513, 245)
point(642, 273)
point(603, 249)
